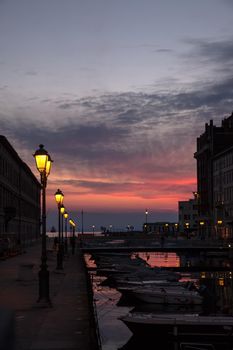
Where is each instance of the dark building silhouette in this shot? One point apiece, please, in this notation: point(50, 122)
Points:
point(188, 215)
point(19, 197)
point(162, 227)
point(223, 193)
point(216, 140)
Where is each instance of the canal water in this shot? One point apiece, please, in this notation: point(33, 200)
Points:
point(218, 300)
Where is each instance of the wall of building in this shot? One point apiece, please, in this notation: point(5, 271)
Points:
point(161, 228)
point(188, 215)
point(19, 196)
point(213, 142)
point(223, 193)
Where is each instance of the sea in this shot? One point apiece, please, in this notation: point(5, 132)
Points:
point(70, 234)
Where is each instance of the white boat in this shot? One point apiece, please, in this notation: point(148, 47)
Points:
point(167, 295)
point(126, 288)
point(179, 325)
point(145, 274)
point(124, 284)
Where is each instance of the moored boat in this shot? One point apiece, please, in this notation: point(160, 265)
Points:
point(127, 289)
point(167, 295)
point(179, 325)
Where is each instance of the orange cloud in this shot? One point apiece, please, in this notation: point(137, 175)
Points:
point(105, 195)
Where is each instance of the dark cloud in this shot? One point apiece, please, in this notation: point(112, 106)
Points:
point(67, 105)
point(31, 73)
point(164, 50)
point(217, 55)
point(159, 107)
point(137, 138)
point(104, 187)
point(129, 117)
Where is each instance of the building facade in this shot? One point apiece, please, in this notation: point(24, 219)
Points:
point(210, 145)
point(188, 215)
point(223, 193)
point(19, 197)
point(170, 229)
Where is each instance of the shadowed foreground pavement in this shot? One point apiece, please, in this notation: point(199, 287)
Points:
point(69, 324)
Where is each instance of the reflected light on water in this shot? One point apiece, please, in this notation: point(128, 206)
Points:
point(161, 259)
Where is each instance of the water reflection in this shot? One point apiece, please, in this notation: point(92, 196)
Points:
point(217, 291)
point(160, 259)
point(113, 333)
point(220, 259)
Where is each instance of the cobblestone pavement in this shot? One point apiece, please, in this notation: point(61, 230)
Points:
point(69, 323)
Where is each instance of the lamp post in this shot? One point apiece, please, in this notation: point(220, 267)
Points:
point(59, 199)
point(187, 227)
point(43, 164)
point(62, 211)
point(146, 213)
point(82, 220)
point(176, 230)
point(93, 230)
point(219, 228)
point(166, 229)
point(72, 226)
point(66, 217)
point(202, 224)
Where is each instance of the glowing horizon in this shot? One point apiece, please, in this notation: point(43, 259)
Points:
point(158, 195)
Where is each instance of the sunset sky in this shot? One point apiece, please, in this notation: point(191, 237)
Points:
point(118, 92)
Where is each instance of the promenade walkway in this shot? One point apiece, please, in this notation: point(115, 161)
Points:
point(69, 324)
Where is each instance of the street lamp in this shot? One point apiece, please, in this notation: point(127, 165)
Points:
point(202, 224)
point(62, 211)
point(82, 220)
point(43, 164)
point(66, 217)
point(59, 199)
point(176, 229)
point(72, 226)
point(93, 229)
point(146, 212)
point(219, 228)
point(187, 226)
point(146, 227)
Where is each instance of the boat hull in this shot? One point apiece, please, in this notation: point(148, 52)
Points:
point(175, 328)
point(168, 297)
